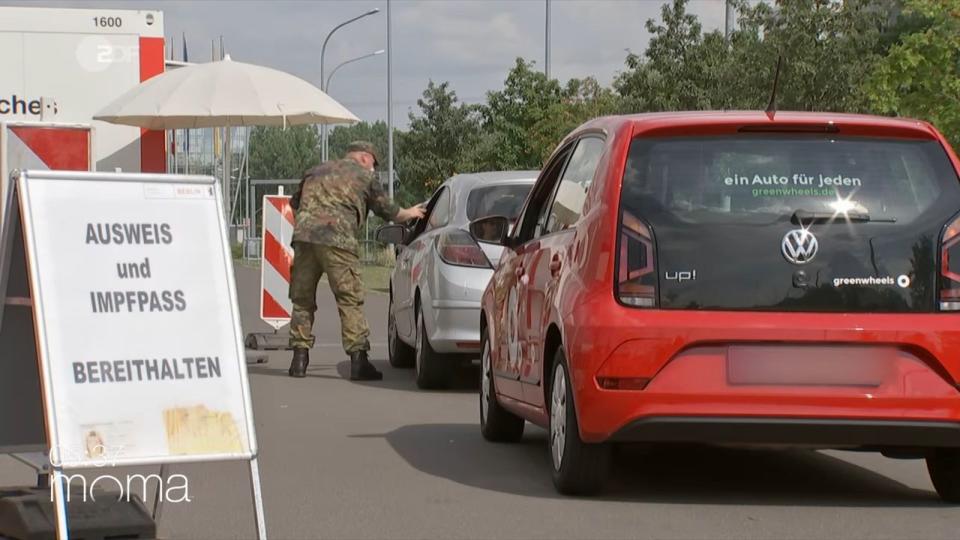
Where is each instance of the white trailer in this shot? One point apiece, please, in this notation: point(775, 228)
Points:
point(61, 66)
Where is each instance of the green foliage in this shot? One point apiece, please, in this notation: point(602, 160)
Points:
point(898, 57)
point(341, 136)
point(581, 100)
point(920, 77)
point(277, 153)
point(681, 68)
point(511, 114)
point(828, 49)
point(441, 137)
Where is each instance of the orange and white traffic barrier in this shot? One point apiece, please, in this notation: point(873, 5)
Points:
point(277, 257)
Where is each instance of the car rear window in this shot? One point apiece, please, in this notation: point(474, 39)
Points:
point(504, 200)
point(763, 178)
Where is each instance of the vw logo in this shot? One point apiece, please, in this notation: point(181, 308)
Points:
point(799, 246)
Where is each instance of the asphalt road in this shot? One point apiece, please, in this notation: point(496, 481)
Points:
point(384, 460)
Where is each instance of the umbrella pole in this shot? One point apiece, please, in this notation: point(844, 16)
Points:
point(227, 192)
point(176, 155)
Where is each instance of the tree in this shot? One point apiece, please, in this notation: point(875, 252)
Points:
point(277, 153)
point(681, 68)
point(528, 97)
point(828, 49)
point(441, 137)
point(920, 77)
point(582, 100)
point(376, 133)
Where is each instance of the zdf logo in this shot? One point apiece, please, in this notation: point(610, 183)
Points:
point(97, 53)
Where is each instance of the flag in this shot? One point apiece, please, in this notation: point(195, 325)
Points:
point(185, 47)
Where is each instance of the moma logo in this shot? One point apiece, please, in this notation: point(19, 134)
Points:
point(17, 105)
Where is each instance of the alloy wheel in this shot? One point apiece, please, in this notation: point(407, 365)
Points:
point(419, 351)
point(485, 382)
point(391, 330)
point(558, 417)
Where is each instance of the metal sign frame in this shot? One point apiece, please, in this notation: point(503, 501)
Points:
point(8, 212)
point(29, 405)
point(22, 186)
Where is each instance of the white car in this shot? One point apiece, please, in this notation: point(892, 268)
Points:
point(434, 317)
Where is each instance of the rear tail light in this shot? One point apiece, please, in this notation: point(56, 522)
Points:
point(950, 268)
point(623, 383)
point(460, 249)
point(636, 271)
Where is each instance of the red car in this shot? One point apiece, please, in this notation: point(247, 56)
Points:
point(787, 279)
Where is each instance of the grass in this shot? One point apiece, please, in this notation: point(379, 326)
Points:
point(376, 278)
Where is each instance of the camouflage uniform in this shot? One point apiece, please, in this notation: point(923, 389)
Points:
point(331, 208)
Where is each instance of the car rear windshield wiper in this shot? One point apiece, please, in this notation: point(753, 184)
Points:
point(801, 217)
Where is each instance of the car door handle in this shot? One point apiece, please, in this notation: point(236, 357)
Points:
point(555, 265)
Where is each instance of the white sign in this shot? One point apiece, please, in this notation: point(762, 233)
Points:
point(138, 328)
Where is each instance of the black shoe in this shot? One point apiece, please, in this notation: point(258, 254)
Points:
point(361, 369)
point(298, 367)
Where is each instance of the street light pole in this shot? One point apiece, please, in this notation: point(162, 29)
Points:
point(730, 19)
point(389, 108)
point(546, 42)
point(323, 50)
point(350, 61)
point(325, 143)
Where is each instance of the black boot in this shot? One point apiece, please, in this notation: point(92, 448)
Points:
point(361, 369)
point(298, 367)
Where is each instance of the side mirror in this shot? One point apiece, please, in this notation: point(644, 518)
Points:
point(392, 234)
point(491, 230)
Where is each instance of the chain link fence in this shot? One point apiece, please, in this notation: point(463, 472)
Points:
point(371, 252)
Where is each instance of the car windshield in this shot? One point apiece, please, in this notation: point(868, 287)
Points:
point(763, 179)
point(504, 200)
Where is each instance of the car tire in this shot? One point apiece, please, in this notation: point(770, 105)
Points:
point(578, 468)
point(399, 353)
point(432, 369)
point(496, 423)
point(944, 467)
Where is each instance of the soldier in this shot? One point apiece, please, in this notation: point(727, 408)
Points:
point(331, 207)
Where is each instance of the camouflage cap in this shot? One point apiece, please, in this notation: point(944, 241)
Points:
point(364, 146)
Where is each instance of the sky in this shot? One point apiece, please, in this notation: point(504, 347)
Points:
point(470, 43)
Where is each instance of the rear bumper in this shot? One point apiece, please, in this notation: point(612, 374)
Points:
point(454, 319)
point(823, 433)
point(456, 327)
point(808, 379)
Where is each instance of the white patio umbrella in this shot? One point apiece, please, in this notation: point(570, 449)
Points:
point(224, 94)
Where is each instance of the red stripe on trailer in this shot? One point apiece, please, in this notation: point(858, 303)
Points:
point(282, 204)
point(153, 144)
point(61, 149)
point(272, 309)
point(278, 257)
